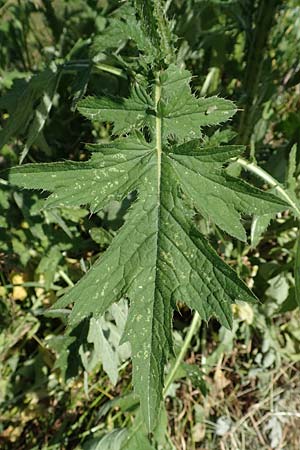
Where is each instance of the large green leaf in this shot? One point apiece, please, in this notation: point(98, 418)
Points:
point(158, 257)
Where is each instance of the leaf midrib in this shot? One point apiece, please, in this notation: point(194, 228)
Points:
point(158, 148)
point(158, 131)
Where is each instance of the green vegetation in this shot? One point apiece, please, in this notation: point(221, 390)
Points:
point(150, 269)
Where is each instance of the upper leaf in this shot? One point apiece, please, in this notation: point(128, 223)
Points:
point(183, 114)
point(157, 26)
point(158, 257)
point(123, 26)
point(127, 114)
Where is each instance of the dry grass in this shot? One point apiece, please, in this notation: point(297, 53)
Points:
point(258, 413)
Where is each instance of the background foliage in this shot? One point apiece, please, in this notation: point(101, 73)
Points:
point(55, 392)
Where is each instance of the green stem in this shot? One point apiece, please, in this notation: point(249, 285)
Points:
point(66, 278)
point(189, 336)
point(74, 66)
point(54, 287)
point(262, 174)
point(208, 81)
point(110, 69)
point(170, 441)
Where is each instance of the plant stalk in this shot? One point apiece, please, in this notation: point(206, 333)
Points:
point(194, 327)
point(110, 69)
point(265, 176)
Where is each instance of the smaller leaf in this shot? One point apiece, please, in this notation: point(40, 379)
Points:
point(122, 27)
point(68, 348)
point(157, 26)
point(137, 436)
point(125, 403)
point(184, 113)
point(110, 441)
point(105, 336)
point(291, 180)
point(101, 236)
point(194, 373)
point(103, 350)
point(79, 86)
point(127, 114)
point(41, 114)
point(258, 227)
point(289, 304)
point(48, 265)
point(20, 101)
